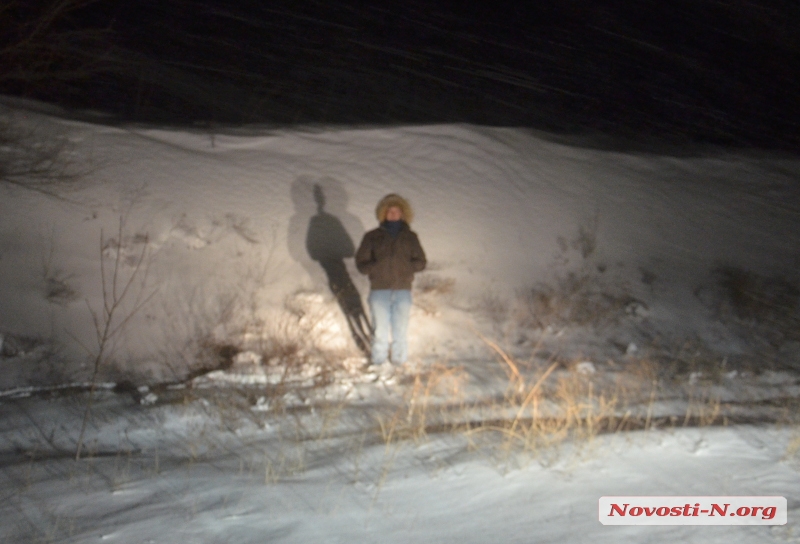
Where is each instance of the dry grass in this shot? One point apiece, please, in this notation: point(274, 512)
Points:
point(793, 448)
point(428, 403)
point(544, 411)
point(543, 407)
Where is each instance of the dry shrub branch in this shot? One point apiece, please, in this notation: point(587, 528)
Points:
point(113, 316)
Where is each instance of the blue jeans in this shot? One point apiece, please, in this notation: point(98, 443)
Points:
point(390, 310)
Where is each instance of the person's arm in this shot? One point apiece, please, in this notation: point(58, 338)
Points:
point(418, 260)
point(365, 257)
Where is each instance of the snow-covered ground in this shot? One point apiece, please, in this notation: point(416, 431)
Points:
point(659, 288)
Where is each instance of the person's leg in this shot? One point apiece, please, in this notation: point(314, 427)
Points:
point(380, 302)
point(401, 309)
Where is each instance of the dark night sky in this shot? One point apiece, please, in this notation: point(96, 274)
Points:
point(704, 70)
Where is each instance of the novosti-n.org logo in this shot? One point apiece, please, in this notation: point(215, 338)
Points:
point(693, 510)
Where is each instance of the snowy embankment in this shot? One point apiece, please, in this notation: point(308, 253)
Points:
point(630, 289)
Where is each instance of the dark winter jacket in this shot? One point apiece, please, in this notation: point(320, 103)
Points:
point(390, 262)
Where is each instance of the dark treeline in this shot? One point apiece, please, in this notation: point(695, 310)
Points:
point(723, 71)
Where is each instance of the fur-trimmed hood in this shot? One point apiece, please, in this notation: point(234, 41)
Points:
point(394, 200)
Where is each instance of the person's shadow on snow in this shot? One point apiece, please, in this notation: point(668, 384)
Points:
point(328, 244)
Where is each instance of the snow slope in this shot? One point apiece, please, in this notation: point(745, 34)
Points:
point(227, 214)
point(214, 228)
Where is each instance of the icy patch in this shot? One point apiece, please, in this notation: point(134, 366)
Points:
point(292, 399)
point(261, 405)
point(262, 375)
point(222, 376)
point(246, 358)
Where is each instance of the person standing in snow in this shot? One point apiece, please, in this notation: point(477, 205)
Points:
point(390, 255)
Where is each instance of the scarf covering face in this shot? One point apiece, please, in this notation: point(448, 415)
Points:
point(393, 227)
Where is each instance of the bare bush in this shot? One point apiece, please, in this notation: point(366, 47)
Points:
point(288, 356)
point(581, 296)
point(432, 284)
point(36, 159)
point(41, 44)
point(114, 315)
point(765, 308)
point(576, 299)
point(58, 288)
point(429, 289)
point(41, 47)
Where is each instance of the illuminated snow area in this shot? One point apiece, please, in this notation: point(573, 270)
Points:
point(219, 222)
